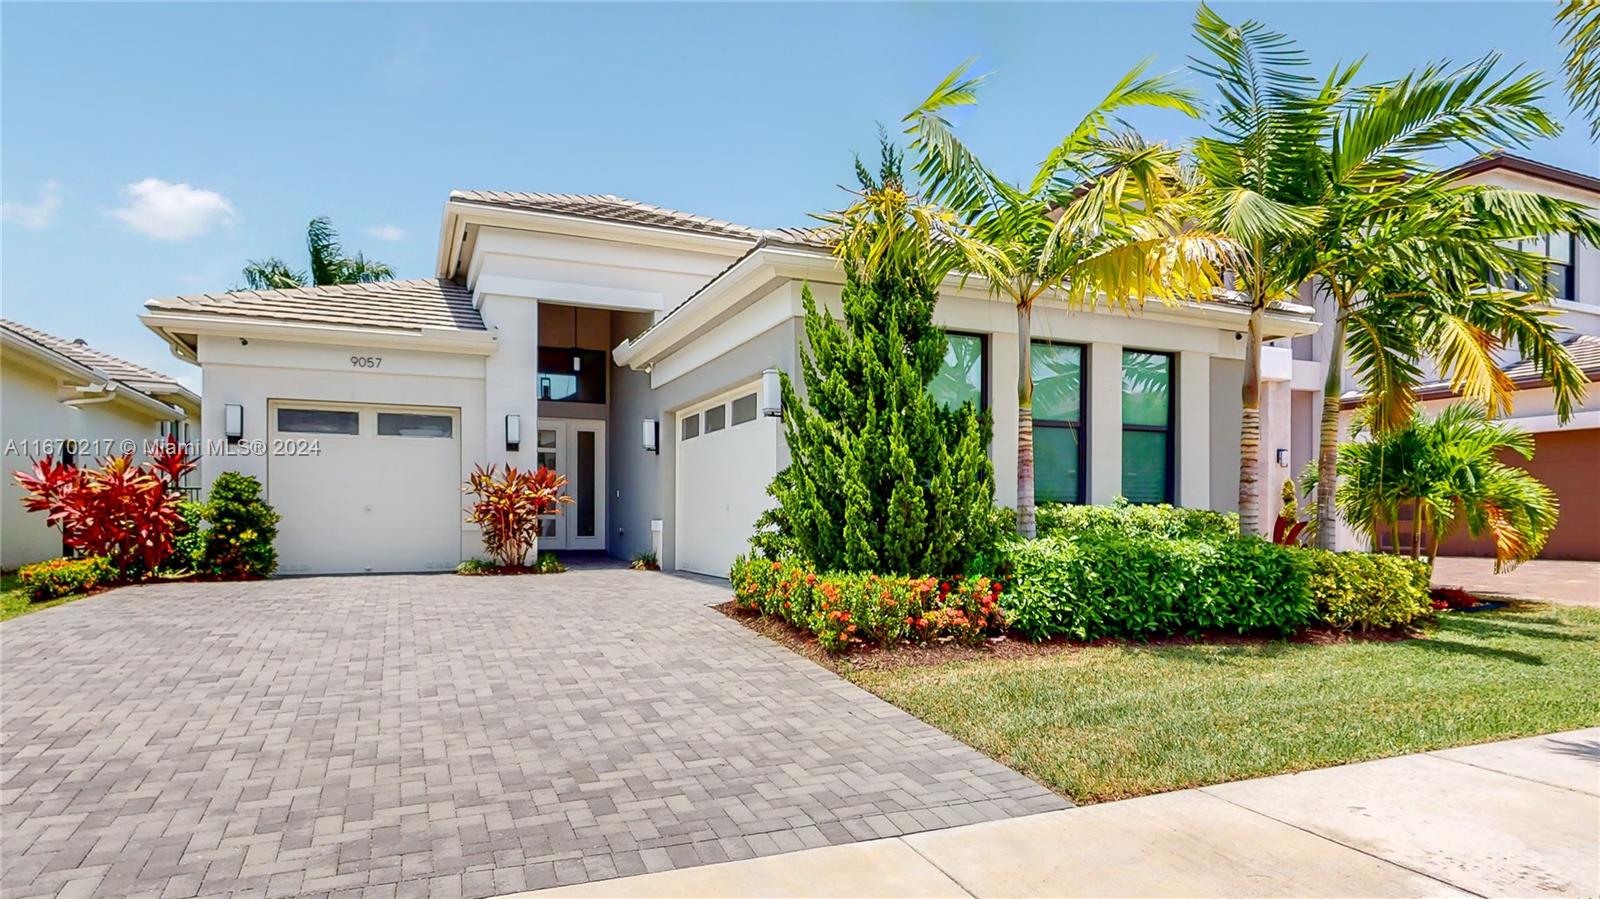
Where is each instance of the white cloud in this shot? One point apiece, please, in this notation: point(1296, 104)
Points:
point(38, 214)
point(167, 211)
point(386, 232)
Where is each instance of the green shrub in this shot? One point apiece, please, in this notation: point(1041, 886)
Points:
point(63, 577)
point(1366, 590)
point(1117, 585)
point(1125, 518)
point(547, 563)
point(189, 547)
point(239, 542)
point(844, 610)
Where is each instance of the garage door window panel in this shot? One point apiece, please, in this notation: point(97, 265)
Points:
point(716, 418)
point(691, 427)
point(405, 424)
point(318, 421)
point(744, 409)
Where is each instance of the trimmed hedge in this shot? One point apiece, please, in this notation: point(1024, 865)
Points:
point(55, 578)
point(1366, 590)
point(1127, 520)
point(1154, 586)
point(843, 610)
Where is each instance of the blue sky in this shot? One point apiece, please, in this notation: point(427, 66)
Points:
point(150, 150)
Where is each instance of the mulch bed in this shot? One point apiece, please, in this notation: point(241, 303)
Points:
point(909, 655)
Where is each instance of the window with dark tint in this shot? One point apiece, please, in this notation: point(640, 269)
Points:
point(571, 375)
point(744, 409)
point(585, 506)
point(1147, 427)
point(316, 421)
point(961, 378)
point(1561, 248)
point(716, 418)
point(1058, 445)
point(691, 426)
point(405, 424)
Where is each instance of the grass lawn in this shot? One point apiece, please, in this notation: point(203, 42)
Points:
point(14, 599)
point(1111, 722)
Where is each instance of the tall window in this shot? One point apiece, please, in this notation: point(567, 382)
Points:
point(1146, 427)
point(1561, 249)
point(1058, 447)
point(962, 378)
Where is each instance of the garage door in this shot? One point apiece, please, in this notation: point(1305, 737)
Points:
point(365, 488)
point(727, 455)
point(1565, 461)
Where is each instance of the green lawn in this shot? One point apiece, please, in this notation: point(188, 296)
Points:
point(1111, 722)
point(14, 599)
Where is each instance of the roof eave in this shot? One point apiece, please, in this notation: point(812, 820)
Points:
point(170, 323)
point(119, 391)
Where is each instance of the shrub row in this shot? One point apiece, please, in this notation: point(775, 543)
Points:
point(843, 610)
point(1143, 587)
point(1366, 590)
point(1122, 518)
point(62, 577)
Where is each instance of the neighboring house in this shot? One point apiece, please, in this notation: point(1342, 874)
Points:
point(1566, 457)
point(633, 349)
point(62, 398)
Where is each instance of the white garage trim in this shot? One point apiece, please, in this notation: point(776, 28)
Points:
point(385, 498)
point(727, 454)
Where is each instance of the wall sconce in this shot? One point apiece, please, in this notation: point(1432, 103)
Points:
point(233, 422)
point(771, 393)
point(652, 436)
point(513, 432)
point(1283, 458)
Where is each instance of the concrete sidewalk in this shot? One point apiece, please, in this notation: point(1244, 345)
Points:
point(1515, 818)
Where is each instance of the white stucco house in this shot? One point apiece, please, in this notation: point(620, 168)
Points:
point(1566, 455)
point(65, 399)
point(626, 346)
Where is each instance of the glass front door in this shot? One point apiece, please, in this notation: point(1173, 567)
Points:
point(575, 448)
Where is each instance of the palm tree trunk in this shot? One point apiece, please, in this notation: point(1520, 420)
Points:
point(1416, 528)
point(1026, 524)
point(1328, 438)
point(1250, 427)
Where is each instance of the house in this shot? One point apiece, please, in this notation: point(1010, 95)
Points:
point(65, 399)
point(1566, 456)
point(634, 349)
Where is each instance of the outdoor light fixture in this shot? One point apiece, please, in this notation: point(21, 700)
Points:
point(652, 435)
point(771, 393)
point(233, 422)
point(513, 432)
point(1283, 458)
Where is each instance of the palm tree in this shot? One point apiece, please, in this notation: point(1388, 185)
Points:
point(1105, 218)
point(1447, 469)
point(329, 265)
point(1580, 21)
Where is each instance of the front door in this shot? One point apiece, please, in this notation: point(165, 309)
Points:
point(575, 448)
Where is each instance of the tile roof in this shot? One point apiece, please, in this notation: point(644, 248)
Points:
point(608, 208)
point(1584, 349)
point(89, 357)
point(403, 305)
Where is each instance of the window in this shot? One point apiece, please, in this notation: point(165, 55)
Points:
point(572, 375)
point(1146, 427)
point(716, 418)
point(1561, 249)
point(316, 421)
point(691, 427)
point(1058, 446)
point(744, 409)
point(400, 424)
point(962, 378)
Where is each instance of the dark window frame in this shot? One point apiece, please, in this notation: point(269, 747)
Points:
point(591, 361)
point(344, 414)
point(983, 364)
point(683, 426)
point(1081, 425)
point(1568, 288)
point(1170, 494)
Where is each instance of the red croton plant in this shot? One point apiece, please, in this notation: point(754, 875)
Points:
point(508, 508)
point(124, 511)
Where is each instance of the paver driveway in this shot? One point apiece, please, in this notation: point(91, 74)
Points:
point(435, 735)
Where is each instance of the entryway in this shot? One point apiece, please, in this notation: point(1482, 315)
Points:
point(575, 448)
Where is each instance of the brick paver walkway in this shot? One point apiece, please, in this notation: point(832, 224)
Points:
point(1545, 580)
point(440, 736)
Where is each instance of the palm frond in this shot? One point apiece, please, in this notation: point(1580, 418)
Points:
point(271, 274)
point(322, 243)
point(1580, 21)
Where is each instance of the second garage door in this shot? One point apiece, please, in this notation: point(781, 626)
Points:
point(365, 488)
point(727, 455)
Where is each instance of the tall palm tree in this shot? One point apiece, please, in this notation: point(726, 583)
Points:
point(329, 265)
point(1580, 24)
point(1104, 219)
point(1447, 470)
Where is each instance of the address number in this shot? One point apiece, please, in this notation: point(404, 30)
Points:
point(366, 361)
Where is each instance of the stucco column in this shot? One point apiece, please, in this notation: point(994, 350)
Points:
point(1105, 421)
point(510, 379)
point(1193, 450)
point(1003, 361)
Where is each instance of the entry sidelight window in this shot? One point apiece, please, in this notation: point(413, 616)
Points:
point(317, 421)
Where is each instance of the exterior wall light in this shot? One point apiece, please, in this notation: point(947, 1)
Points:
point(233, 422)
point(513, 432)
point(1283, 458)
point(652, 436)
point(771, 393)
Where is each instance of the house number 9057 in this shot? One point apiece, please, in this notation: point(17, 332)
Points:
point(366, 361)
